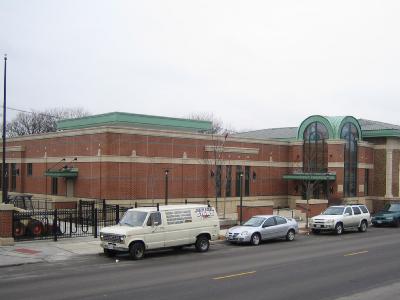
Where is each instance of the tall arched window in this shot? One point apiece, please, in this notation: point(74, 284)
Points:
point(315, 149)
point(350, 134)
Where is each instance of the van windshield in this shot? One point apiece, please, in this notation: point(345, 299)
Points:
point(133, 218)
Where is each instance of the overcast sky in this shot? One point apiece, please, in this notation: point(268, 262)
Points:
point(253, 64)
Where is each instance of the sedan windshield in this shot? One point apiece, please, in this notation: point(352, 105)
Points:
point(254, 222)
point(392, 207)
point(133, 218)
point(333, 211)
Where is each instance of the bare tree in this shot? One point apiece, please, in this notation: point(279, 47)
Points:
point(217, 124)
point(35, 122)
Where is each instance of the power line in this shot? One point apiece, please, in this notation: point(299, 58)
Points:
point(30, 112)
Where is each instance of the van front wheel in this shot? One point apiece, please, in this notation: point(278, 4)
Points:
point(202, 244)
point(136, 251)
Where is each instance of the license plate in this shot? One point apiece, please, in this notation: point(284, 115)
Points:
point(379, 222)
point(109, 246)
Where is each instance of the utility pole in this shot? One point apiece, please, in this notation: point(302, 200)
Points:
point(4, 171)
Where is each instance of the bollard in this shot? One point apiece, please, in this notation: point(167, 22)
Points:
point(95, 223)
point(117, 214)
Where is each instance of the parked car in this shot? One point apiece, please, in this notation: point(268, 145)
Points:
point(263, 227)
point(148, 228)
point(340, 218)
point(390, 215)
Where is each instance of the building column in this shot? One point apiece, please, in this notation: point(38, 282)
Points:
point(389, 173)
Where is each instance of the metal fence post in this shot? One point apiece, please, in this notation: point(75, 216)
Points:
point(117, 214)
point(55, 225)
point(70, 224)
point(95, 223)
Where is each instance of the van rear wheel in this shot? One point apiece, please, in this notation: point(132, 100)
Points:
point(202, 244)
point(136, 251)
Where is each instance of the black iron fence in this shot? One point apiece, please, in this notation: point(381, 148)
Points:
point(85, 220)
point(40, 220)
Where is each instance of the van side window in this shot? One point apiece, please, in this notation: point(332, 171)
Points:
point(154, 218)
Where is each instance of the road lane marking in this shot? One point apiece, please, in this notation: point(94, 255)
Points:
point(356, 253)
point(234, 275)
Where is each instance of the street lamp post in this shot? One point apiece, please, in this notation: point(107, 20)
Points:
point(4, 171)
point(241, 197)
point(166, 187)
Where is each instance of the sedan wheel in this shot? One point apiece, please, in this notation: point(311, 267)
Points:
point(255, 239)
point(290, 235)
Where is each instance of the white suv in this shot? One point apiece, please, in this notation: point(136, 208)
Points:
point(343, 217)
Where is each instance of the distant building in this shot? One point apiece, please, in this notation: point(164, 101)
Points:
point(124, 157)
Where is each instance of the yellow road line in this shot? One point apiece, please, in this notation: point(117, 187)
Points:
point(356, 253)
point(234, 275)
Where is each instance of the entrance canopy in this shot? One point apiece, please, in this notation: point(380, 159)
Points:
point(66, 173)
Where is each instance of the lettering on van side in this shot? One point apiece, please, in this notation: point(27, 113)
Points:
point(204, 212)
point(178, 216)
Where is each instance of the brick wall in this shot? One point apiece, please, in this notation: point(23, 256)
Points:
point(249, 211)
point(314, 209)
point(6, 223)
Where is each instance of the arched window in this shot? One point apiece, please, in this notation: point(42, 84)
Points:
point(350, 134)
point(315, 157)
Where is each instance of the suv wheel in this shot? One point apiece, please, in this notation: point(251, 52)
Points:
point(339, 228)
point(363, 226)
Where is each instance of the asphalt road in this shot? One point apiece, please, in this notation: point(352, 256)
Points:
point(352, 266)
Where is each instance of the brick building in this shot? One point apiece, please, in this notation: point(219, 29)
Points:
point(126, 158)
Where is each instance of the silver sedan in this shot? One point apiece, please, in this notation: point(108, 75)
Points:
point(263, 227)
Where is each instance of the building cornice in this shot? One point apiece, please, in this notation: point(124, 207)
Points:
point(146, 132)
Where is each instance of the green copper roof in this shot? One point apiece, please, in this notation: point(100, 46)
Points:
point(135, 120)
point(379, 129)
point(333, 125)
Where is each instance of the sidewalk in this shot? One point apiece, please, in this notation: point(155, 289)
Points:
point(49, 251)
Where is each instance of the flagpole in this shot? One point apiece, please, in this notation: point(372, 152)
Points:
point(4, 175)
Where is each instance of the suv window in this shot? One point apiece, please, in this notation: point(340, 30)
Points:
point(348, 211)
point(269, 222)
point(364, 209)
point(280, 220)
point(356, 210)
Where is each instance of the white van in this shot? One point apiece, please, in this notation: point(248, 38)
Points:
point(148, 228)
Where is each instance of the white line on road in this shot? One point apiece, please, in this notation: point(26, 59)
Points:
point(234, 275)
